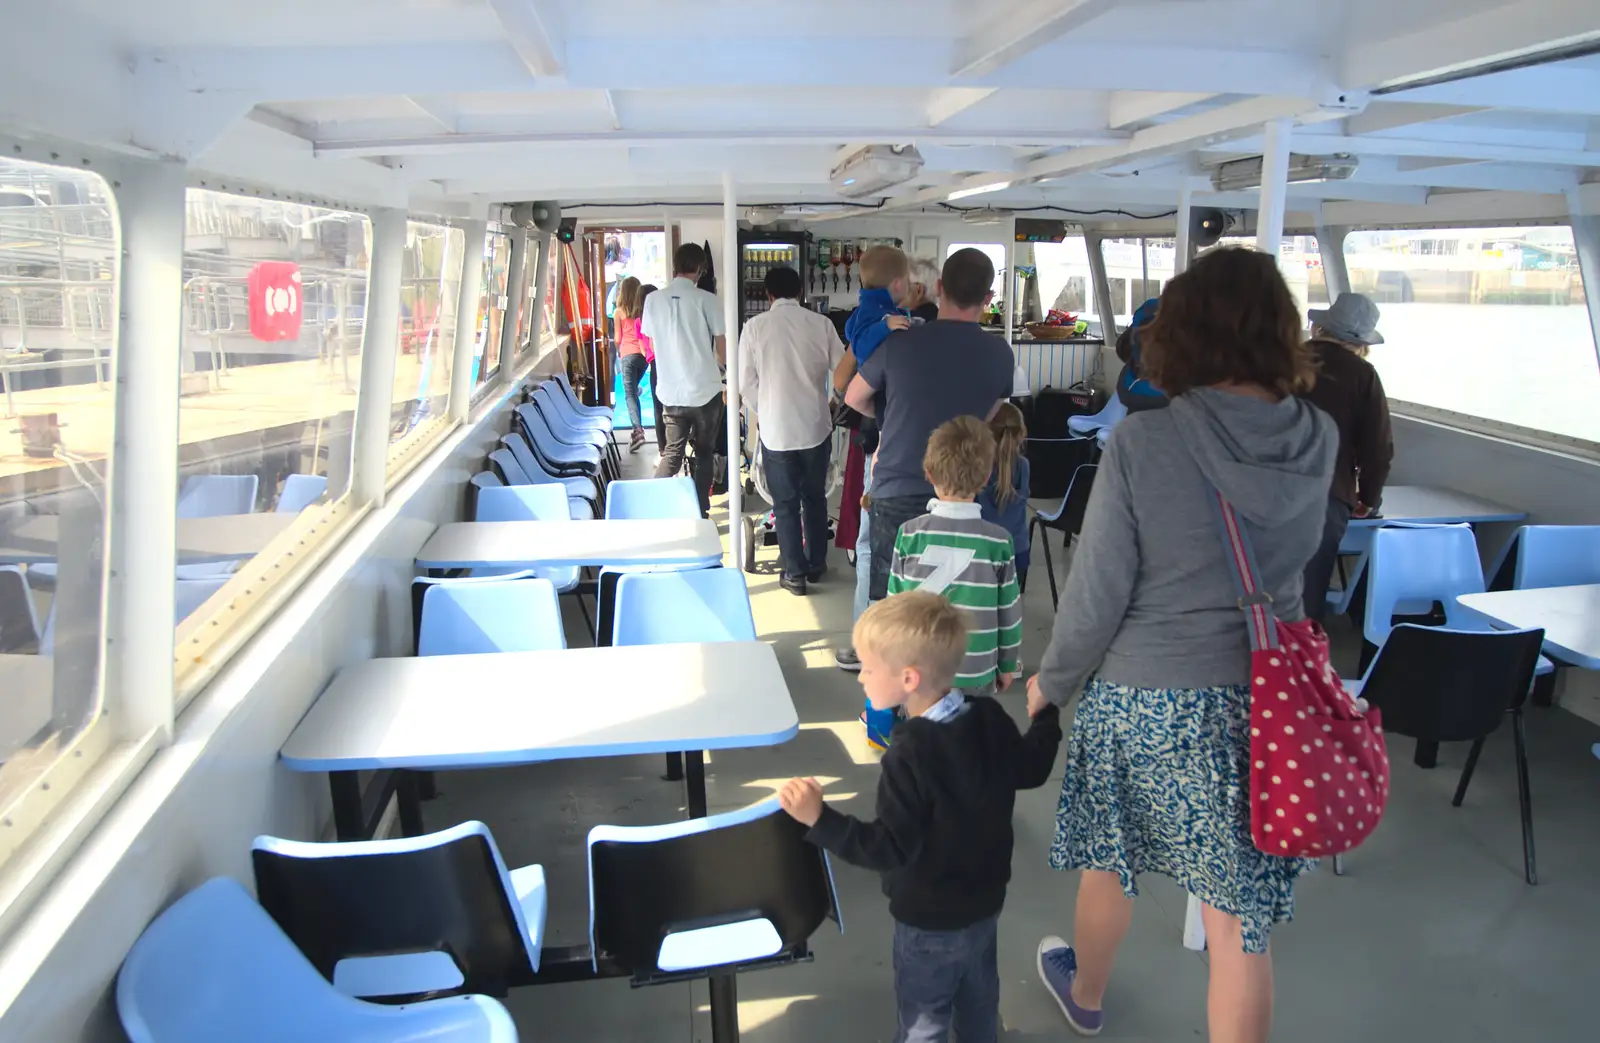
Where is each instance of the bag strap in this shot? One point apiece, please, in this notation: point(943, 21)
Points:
point(1254, 602)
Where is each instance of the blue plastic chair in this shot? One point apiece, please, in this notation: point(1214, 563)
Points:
point(653, 498)
point(491, 615)
point(536, 474)
point(598, 421)
point(531, 503)
point(1558, 556)
point(572, 432)
point(428, 914)
point(558, 457)
point(663, 608)
point(1413, 567)
point(212, 495)
point(1100, 423)
point(214, 966)
point(511, 472)
point(571, 397)
point(192, 593)
point(300, 491)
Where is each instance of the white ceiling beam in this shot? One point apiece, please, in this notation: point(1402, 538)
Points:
point(1453, 45)
point(1022, 28)
point(1450, 209)
point(949, 102)
point(1225, 123)
point(1408, 163)
point(1387, 115)
point(1487, 151)
point(419, 145)
point(1483, 176)
point(1553, 88)
point(1129, 107)
point(532, 27)
point(431, 107)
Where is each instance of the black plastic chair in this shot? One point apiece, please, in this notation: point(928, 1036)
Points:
point(390, 919)
point(1067, 520)
point(1435, 684)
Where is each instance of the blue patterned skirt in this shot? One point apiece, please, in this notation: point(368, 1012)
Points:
point(1158, 780)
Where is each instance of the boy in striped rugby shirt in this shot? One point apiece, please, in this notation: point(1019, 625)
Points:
point(953, 552)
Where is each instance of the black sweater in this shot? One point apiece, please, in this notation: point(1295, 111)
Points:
point(942, 838)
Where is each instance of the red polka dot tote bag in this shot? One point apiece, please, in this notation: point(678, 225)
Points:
point(1319, 770)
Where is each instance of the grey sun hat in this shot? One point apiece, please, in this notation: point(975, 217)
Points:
point(1353, 319)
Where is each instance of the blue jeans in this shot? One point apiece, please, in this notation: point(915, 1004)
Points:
point(945, 980)
point(798, 482)
point(633, 370)
point(863, 548)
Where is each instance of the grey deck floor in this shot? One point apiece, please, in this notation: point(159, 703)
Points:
point(1431, 935)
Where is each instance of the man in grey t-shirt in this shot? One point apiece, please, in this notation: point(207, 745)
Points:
point(928, 375)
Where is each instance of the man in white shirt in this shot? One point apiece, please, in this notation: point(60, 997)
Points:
point(684, 323)
point(789, 357)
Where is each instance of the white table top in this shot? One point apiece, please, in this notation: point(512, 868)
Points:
point(226, 537)
point(498, 709)
point(1570, 617)
point(1422, 503)
point(28, 684)
point(674, 541)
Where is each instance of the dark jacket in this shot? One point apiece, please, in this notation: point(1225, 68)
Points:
point(942, 838)
point(1349, 390)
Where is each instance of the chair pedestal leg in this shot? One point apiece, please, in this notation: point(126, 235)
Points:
point(1524, 797)
point(674, 767)
point(695, 782)
point(1544, 690)
point(724, 1009)
point(1427, 755)
point(1049, 567)
point(1466, 773)
point(1338, 865)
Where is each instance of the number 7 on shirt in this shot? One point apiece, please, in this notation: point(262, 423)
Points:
point(948, 563)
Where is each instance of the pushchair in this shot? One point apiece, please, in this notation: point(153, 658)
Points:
point(761, 529)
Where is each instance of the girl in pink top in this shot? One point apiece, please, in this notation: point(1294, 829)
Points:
point(635, 350)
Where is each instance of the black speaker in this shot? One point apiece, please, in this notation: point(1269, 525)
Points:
point(567, 231)
point(1207, 225)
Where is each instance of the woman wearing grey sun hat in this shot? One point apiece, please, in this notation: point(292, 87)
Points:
point(1349, 390)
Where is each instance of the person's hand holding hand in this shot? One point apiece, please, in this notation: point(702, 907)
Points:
point(897, 322)
point(1004, 681)
point(802, 799)
point(1036, 700)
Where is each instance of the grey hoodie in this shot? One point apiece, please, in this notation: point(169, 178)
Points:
point(1150, 601)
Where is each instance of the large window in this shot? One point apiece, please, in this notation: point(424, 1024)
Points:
point(1490, 322)
point(274, 301)
point(430, 287)
point(996, 254)
point(1065, 282)
point(58, 302)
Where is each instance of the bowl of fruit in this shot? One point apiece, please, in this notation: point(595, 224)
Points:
point(1058, 325)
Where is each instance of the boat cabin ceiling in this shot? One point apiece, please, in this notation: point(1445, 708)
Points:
point(1093, 106)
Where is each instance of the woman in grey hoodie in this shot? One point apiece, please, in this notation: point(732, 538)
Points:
point(1149, 633)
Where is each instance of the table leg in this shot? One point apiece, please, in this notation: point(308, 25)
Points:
point(695, 770)
point(1427, 755)
point(674, 767)
point(426, 789)
point(724, 1009)
point(410, 807)
point(348, 821)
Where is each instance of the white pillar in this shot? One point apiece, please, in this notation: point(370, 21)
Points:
point(467, 318)
point(1584, 204)
point(1010, 283)
point(515, 299)
point(1274, 185)
point(730, 286)
point(1184, 216)
point(1330, 247)
point(379, 343)
point(1103, 303)
point(541, 280)
point(151, 215)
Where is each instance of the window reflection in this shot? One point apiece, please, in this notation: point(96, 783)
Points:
point(429, 293)
point(58, 279)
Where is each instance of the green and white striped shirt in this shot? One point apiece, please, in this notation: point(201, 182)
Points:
point(952, 551)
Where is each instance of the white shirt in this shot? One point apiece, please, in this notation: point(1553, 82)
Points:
point(682, 322)
point(787, 357)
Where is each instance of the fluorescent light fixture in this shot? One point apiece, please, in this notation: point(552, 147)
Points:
point(1243, 174)
point(963, 193)
point(848, 181)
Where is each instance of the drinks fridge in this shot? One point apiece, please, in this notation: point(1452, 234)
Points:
point(759, 253)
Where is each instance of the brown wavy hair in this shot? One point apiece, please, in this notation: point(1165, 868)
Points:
point(1010, 431)
point(1229, 319)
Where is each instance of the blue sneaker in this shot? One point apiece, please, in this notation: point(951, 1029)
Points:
point(1058, 965)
